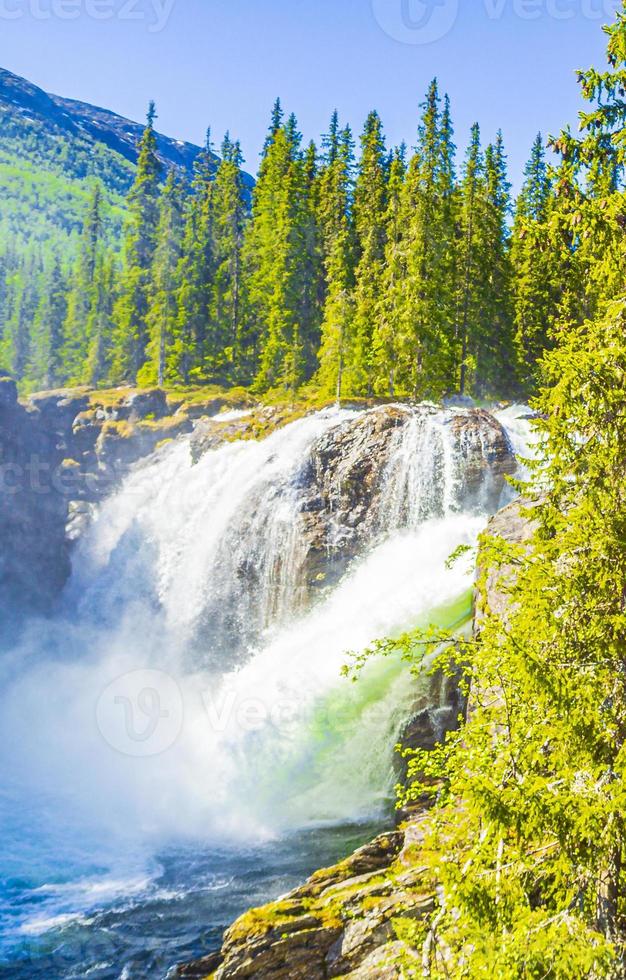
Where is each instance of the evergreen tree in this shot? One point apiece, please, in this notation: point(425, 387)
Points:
point(161, 317)
point(76, 337)
point(428, 303)
point(387, 339)
point(370, 203)
point(192, 353)
point(44, 366)
point(273, 253)
point(310, 263)
point(229, 356)
point(473, 259)
point(335, 187)
point(131, 308)
point(495, 356)
point(100, 323)
point(22, 304)
point(535, 300)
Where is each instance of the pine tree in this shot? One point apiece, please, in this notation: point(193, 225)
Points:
point(131, 308)
point(192, 348)
point(100, 323)
point(387, 333)
point(335, 187)
point(161, 317)
point(273, 256)
point(310, 277)
point(427, 306)
point(76, 337)
point(495, 356)
point(370, 203)
point(22, 304)
point(472, 259)
point(44, 368)
point(535, 300)
point(230, 222)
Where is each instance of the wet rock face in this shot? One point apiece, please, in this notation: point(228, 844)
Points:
point(515, 525)
point(60, 453)
point(390, 469)
point(34, 555)
point(375, 473)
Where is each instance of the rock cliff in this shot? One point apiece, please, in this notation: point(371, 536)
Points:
point(61, 452)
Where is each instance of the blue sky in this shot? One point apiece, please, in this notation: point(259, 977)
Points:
point(505, 63)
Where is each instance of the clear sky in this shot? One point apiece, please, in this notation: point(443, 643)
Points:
point(505, 63)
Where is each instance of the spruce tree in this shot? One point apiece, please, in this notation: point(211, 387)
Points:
point(76, 339)
point(44, 366)
point(192, 346)
point(534, 294)
point(131, 308)
point(495, 357)
point(473, 259)
point(161, 317)
point(230, 210)
point(100, 323)
point(273, 257)
point(335, 189)
point(427, 306)
point(22, 303)
point(387, 339)
point(370, 204)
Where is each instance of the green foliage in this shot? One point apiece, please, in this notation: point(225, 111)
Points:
point(131, 310)
point(524, 844)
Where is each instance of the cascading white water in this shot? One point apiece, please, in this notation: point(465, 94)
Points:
point(191, 688)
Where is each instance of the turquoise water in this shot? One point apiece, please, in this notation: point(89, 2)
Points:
point(173, 909)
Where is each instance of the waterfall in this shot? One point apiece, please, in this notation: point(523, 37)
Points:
point(190, 687)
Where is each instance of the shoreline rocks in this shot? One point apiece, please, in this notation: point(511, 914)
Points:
point(342, 922)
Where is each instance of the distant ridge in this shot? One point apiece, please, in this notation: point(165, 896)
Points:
point(70, 118)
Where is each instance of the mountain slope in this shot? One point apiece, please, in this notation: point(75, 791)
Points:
point(50, 146)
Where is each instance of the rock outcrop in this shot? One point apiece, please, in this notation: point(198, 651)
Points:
point(343, 922)
point(34, 553)
point(371, 475)
point(61, 452)
point(511, 524)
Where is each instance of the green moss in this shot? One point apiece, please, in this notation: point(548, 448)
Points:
point(167, 424)
point(120, 428)
point(109, 397)
point(261, 920)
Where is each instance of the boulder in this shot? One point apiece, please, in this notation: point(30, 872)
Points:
point(150, 404)
point(366, 477)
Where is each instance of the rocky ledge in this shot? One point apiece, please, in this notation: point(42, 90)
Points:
point(345, 921)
